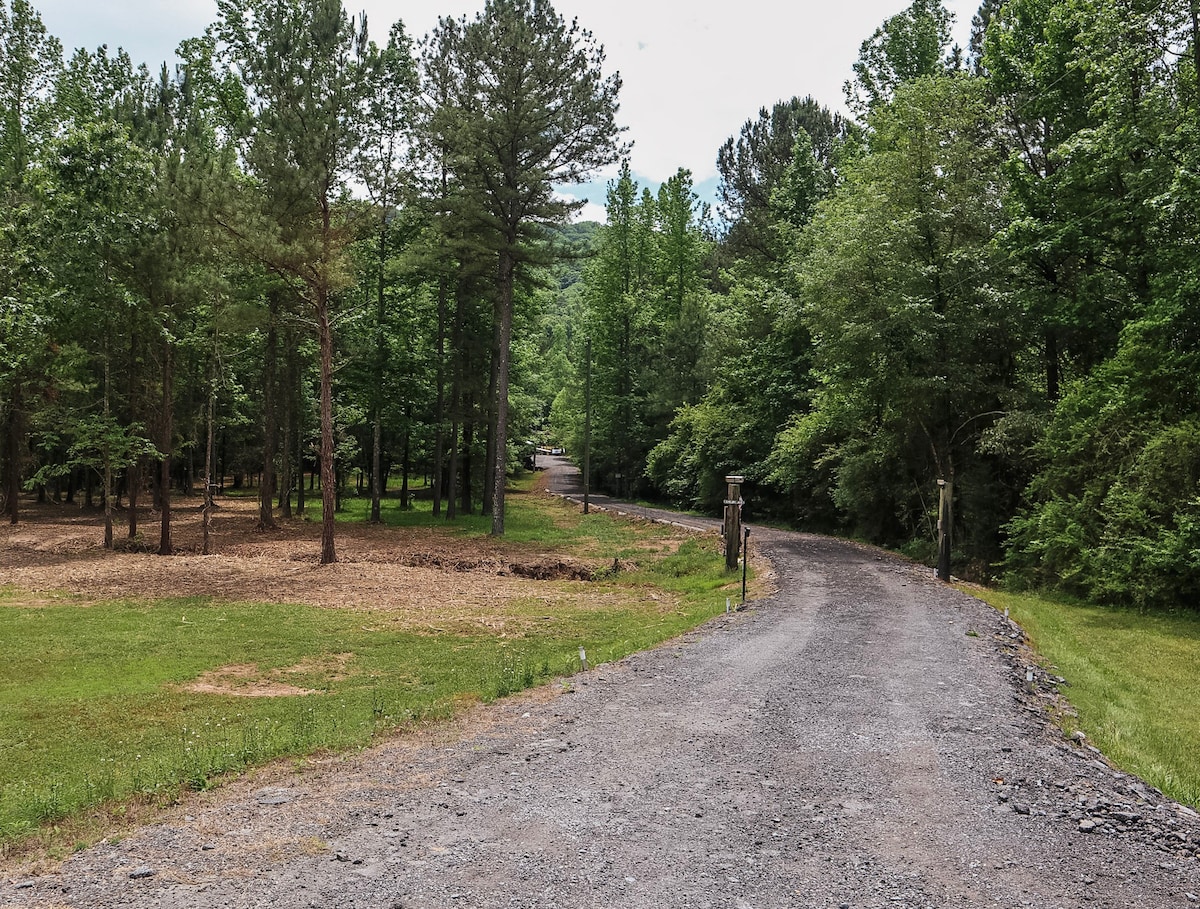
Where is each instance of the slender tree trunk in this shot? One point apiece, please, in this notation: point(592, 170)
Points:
point(1194, 9)
point(266, 485)
point(439, 434)
point(328, 478)
point(299, 470)
point(209, 454)
point(452, 490)
point(108, 473)
point(12, 455)
point(133, 477)
point(376, 461)
point(503, 311)
point(406, 459)
point(285, 435)
point(489, 476)
point(457, 395)
point(133, 474)
point(168, 431)
point(468, 506)
point(298, 391)
point(380, 363)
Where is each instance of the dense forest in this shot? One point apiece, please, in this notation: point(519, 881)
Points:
point(320, 262)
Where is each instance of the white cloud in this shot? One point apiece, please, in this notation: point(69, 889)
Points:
point(592, 212)
point(693, 71)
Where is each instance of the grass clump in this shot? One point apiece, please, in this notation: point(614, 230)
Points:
point(1134, 678)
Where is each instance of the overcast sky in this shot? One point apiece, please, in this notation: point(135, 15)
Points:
point(693, 70)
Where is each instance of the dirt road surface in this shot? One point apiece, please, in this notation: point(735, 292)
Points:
point(866, 737)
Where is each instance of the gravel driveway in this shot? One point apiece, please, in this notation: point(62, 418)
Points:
point(865, 738)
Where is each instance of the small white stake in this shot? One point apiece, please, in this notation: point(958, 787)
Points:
point(583, 659)
point(727, 605)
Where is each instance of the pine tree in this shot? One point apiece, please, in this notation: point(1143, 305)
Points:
point(529, 109)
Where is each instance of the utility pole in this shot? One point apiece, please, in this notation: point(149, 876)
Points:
point(587, 429)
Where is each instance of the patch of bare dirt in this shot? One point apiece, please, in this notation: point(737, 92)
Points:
point(246, 680)
point(243, 680)
point(430, 579)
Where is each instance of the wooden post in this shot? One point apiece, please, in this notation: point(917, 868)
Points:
point(945, 527)
point(733, 520)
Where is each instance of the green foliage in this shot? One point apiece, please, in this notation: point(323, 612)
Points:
point(990, 279)
point(1113, 512)
point(912, 344)
point(908, 46)
point(754, 166)
point(761, 350)
point(522, 104)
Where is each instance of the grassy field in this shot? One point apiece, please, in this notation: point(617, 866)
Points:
point(99, 704)
point(1134, 678)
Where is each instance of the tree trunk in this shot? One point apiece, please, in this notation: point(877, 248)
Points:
point(468, 506)
point(209, 455)
point(133, 477)
point(12, 455)
point(452, 490)
point(489, 476)
point(299, 471)
point(504, 308)
point(266, 484)
point(439, 417)
point(133, 474)
point(328, 479)
point(285, 435)
point(405, 464)
point(380, 363)
point(168, 430)
point(1194, 9)
point(108, 523)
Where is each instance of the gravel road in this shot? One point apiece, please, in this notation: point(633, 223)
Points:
point(867, 737)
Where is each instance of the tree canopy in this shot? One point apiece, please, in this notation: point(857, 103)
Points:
point(306, 256)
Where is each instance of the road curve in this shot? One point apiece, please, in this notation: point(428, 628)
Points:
point(864, 738)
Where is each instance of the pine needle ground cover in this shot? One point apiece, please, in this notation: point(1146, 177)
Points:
point(1134, 678)
point(112, 701)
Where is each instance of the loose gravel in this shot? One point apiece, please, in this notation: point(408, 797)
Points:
point(866, 737)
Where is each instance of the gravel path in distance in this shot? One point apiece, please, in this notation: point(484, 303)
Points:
point(866, 737)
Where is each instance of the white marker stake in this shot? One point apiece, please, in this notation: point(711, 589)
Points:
point(583, 659)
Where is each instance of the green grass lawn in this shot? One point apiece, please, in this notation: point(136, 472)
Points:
point(93, 708)
point(1134, 678)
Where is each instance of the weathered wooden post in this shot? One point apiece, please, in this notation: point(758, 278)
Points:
point(945, 527)
point(733, 520)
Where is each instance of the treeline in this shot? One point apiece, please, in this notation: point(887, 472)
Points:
point(987, 278)
point(299, 250)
